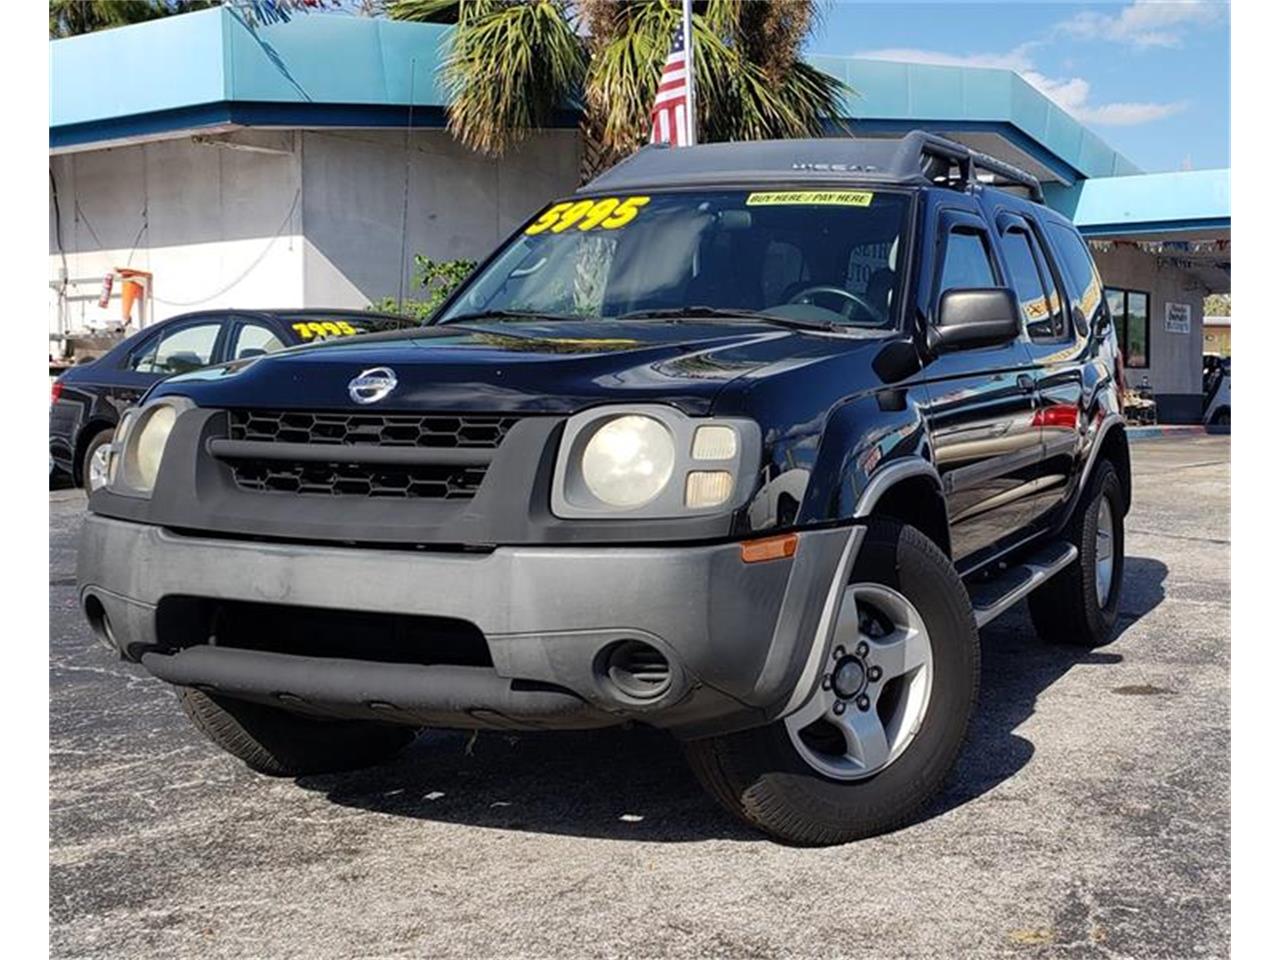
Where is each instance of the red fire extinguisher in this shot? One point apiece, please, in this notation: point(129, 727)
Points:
point(105, 297)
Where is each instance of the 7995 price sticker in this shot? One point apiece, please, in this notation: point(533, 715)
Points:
point(606, 213)
point(319, 329)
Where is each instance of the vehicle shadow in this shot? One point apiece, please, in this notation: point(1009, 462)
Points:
point(633, 784)
point(1016, 667)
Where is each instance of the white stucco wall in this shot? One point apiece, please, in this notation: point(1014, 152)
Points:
point(460, 203)
point(315, 222)
point(217, 227)
point(1175, 358)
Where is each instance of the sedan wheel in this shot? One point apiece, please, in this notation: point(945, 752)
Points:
point(96, 467)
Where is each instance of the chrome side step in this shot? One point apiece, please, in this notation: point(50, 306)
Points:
point(993, 597)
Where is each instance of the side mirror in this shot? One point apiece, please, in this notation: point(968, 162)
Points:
point(980, 317)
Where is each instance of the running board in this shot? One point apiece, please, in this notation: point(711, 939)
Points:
point(993, 597)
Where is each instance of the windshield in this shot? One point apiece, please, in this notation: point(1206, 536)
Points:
point(822, 257)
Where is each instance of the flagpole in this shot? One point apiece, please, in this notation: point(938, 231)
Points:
point(691, 120)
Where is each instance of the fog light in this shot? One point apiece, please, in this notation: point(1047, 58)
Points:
point(707, 488)
point(715, 443)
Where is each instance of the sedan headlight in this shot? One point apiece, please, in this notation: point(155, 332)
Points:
point(140, 444)
point(651, 461)
point(628, 461)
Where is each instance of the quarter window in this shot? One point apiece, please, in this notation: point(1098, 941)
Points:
point(188, 348)
point(1131, 314)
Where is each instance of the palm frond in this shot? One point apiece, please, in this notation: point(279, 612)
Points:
point(510, 69)
point(739, 97)
point(423, 11)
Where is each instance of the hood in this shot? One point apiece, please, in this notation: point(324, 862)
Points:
point(545, 367)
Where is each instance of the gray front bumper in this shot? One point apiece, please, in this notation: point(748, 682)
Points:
point(738, 636)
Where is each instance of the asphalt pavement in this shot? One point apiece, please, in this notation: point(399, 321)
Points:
point(1088, 816)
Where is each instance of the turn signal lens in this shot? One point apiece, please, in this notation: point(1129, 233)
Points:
point(715, 443)
point(707, 488)
point(773, 548)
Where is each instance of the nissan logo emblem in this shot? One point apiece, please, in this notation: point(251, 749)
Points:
point(372, 385)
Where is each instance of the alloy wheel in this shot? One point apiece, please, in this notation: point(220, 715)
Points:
point(875, 687)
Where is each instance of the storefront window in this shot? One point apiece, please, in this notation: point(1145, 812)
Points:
point(1136, 330)
point(1130, 309)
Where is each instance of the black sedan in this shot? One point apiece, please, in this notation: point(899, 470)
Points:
point(88, 399)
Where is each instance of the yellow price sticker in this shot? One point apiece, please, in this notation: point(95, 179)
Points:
point(605, 213)
point(320, 329)
point(820, 198)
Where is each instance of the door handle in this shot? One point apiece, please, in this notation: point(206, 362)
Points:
point(1026, 384)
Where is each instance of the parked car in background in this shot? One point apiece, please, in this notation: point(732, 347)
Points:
point(87, 400)
point(1217, 390)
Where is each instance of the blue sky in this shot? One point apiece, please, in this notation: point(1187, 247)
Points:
point(1152, 77)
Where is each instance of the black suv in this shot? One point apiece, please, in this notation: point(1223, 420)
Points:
point(743, 441)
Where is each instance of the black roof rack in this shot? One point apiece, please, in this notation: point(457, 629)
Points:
point(917, 157)
point(934, 157)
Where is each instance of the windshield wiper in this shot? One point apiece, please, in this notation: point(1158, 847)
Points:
point(700, 312)
point(507, 315)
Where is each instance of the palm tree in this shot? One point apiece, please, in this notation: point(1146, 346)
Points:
point(514, 65)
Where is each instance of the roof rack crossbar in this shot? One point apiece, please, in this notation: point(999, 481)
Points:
point(918, 145)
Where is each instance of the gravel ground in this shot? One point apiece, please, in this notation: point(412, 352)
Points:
point(1088, 817)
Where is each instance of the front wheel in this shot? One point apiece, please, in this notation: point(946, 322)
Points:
point(1079, 605)
point(877, 737)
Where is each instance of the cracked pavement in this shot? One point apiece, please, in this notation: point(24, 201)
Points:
point(1088, 816)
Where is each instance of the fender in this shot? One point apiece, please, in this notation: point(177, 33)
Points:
point(868, 444)
point(1109, 422)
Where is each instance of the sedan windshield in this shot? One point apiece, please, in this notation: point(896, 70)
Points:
point(821, 258)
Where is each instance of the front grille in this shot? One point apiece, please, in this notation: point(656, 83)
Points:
point(429, 482)
point(276, 452)
point(479, 431)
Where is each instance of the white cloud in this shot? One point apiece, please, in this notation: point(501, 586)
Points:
point(1144, 23)
point(1019, 58)
point(1072, 93)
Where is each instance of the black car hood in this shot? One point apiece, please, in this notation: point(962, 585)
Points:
point(543, 367)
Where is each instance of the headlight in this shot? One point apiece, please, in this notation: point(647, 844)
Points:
point(140, 444)
point(628, 461)
point(650, 461)
point(142, 458)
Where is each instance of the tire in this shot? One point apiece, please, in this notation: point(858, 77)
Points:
point(1067, 609)
point(762, 777)
point(1222, 418)
point(282, 744)
point(99, 440)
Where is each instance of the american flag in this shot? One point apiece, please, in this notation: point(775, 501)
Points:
point(671, 108)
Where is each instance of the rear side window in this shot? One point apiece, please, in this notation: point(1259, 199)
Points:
point(966, 262)
point(188, 348)
point(1082, 275)
point(1031, 280)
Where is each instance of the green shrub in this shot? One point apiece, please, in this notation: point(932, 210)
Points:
point(438, 278)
